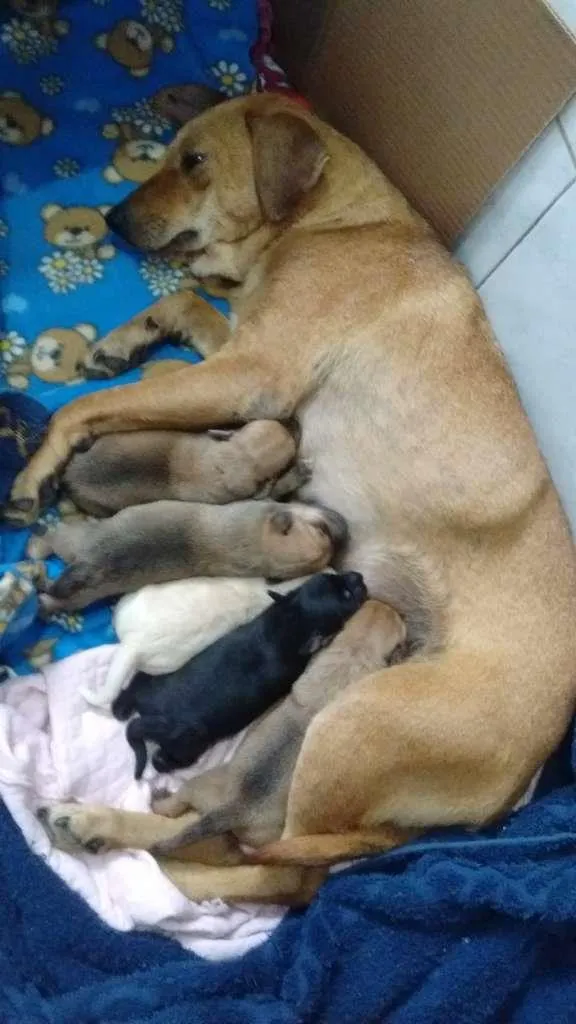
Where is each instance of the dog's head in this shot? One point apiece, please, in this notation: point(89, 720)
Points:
point(231, 169)
point(325, 602)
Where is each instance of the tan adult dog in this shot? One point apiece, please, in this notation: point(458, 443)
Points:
point(352, 318)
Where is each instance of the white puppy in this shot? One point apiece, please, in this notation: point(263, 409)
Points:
point(162, 625)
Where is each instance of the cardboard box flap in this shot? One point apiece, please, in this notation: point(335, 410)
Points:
point(444, 95)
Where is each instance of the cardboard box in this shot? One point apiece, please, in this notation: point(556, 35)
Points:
point(444, 94)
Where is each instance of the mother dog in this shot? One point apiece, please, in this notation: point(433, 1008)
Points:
point(351, 317)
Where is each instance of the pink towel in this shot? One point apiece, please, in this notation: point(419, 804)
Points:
point(54, 746)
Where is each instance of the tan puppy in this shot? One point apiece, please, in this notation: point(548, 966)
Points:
point(171, 540)
point(216, 467)
point(354, 319)
point(248, 795)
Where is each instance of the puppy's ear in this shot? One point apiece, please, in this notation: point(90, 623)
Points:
point(276, 597)
point(282, 521)
point(181, 103)
point(288, 160)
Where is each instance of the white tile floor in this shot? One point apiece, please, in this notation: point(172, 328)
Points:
point(521, 251)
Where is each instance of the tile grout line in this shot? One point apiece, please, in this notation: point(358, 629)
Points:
point(525, 234)
point(564, 135)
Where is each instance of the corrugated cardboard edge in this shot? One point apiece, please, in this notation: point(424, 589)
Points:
point(444, 95)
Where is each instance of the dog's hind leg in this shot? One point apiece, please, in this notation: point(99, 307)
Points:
point(288, 886)
point(96, 829)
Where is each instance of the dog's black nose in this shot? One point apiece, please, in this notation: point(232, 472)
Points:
point(118, 219)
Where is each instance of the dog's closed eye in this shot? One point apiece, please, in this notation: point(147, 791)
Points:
point(191, 160)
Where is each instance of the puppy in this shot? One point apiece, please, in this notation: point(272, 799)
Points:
point(216, 467)
point(170, 540)
point(232, 682)
point(248, 796)
point(163, 625)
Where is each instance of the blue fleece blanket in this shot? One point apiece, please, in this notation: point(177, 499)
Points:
point(78, 131)
point(452, 931)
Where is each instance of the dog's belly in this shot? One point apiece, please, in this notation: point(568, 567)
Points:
point(354, 471)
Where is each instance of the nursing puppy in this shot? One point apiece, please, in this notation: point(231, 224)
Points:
point(235, 680)
point(248, 796)
point(163, 625)
point(216, 467)
point(170, 540)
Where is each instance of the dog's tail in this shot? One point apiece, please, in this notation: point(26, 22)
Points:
point(123, 666)
point(214, 823)
point(135, 737)
point(315, 851)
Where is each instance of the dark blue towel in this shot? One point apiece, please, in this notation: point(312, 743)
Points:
point(454, 930)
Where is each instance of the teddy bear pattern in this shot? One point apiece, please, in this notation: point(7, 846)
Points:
point(136, 156)
point(87, 93)
point(80, 228)
point(56, 356)
point(132, 44)
point(20, 122)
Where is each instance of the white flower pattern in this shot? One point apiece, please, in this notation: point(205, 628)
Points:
point(66, 167)
point(220, 5)
point(4, 229)
point(231, 80)
point(12, 347)
point(51, 85)
point(143, 117)
point(4, 268)
point(161, 276)
point(26, 44)
point(65, 270)
point(168, 14)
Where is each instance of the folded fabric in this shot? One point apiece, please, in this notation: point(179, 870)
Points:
point(54, 746)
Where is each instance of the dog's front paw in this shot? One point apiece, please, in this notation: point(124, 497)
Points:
point(28, 498)
point(76, 827)
point(112, 357)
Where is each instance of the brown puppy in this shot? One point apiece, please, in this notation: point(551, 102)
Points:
point(248, 795)
point(171, 540)
point(354, 319)
point(216, 467)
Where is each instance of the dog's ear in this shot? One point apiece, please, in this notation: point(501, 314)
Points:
point(181, 103)
point(276, 597)
point(289, 158)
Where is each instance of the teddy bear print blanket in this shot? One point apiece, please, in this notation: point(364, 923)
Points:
point(78, 131)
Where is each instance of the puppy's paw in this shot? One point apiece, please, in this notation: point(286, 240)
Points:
point(76, 827)
point(168, 804)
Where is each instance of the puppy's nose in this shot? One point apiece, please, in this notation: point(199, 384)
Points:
point(118, 219)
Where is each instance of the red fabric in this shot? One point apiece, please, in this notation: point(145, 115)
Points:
point(270, 76)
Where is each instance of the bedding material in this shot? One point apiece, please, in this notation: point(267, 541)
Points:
point(54, 746)
point(467, 929)
point(78, 131)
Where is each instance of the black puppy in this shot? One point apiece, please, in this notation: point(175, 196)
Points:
point(229, 684)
